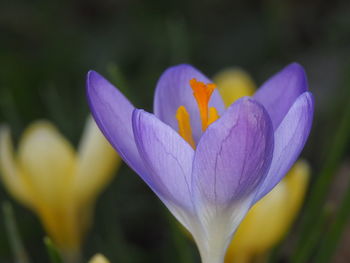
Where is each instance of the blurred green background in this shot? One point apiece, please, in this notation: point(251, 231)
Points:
point(47, 47)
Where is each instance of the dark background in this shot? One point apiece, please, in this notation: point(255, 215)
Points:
point(47, 47)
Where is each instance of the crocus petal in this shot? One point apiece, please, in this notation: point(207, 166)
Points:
point(279, 92)
point(168, 159)
point(99, 258)
point(10, 174)
point(234, 152)
point(97, 162)
point(290, 138)
point(47, 160)
point(232, 158)
point(112, 113)
point(173, 90)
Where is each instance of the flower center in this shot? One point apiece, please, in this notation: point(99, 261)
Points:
point(202, 93)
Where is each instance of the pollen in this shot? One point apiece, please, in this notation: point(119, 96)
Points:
point(184, 124)
point(202, 93)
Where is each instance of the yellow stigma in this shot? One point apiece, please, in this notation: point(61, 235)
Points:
point(183, 119)
point(202, 93)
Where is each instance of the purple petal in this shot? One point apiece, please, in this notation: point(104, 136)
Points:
point(167, 157)
point(234, 154)
point(173, 90)
point(290, 138)
point(279, 92)
point(112, 113)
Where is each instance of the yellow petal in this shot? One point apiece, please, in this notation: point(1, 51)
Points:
point(63, 225)
point(10, 174)
point(99, 258)
point(297, 181)
point(269, 219)
point(41, 179)
point(259, 228)
point(233, 84)
point(48, 161)
point(97, 162)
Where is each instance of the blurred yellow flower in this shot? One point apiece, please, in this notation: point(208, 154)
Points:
point(270, 218)
point(99, 258)
point(233, 84)
point(57, 183)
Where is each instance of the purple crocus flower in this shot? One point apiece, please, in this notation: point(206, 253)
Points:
point(208, 164)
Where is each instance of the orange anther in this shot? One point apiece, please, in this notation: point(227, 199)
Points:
point(213, 115)
point(202, 93)
point(183, 120)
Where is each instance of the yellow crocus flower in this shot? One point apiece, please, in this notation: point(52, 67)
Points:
point(58, 183)
point(233, 84)
point(270, 218)
point(99, 258)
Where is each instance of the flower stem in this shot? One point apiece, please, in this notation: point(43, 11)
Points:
point(210, 257)
point(212, 260)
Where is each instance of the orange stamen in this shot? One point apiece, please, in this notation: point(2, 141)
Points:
point(185, 130)
point(213, 115)
point(202, 93)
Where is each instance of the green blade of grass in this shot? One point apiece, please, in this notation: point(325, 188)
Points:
point(18, 250)
point(331, 239)
point(52, 251)
point(320, 189)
